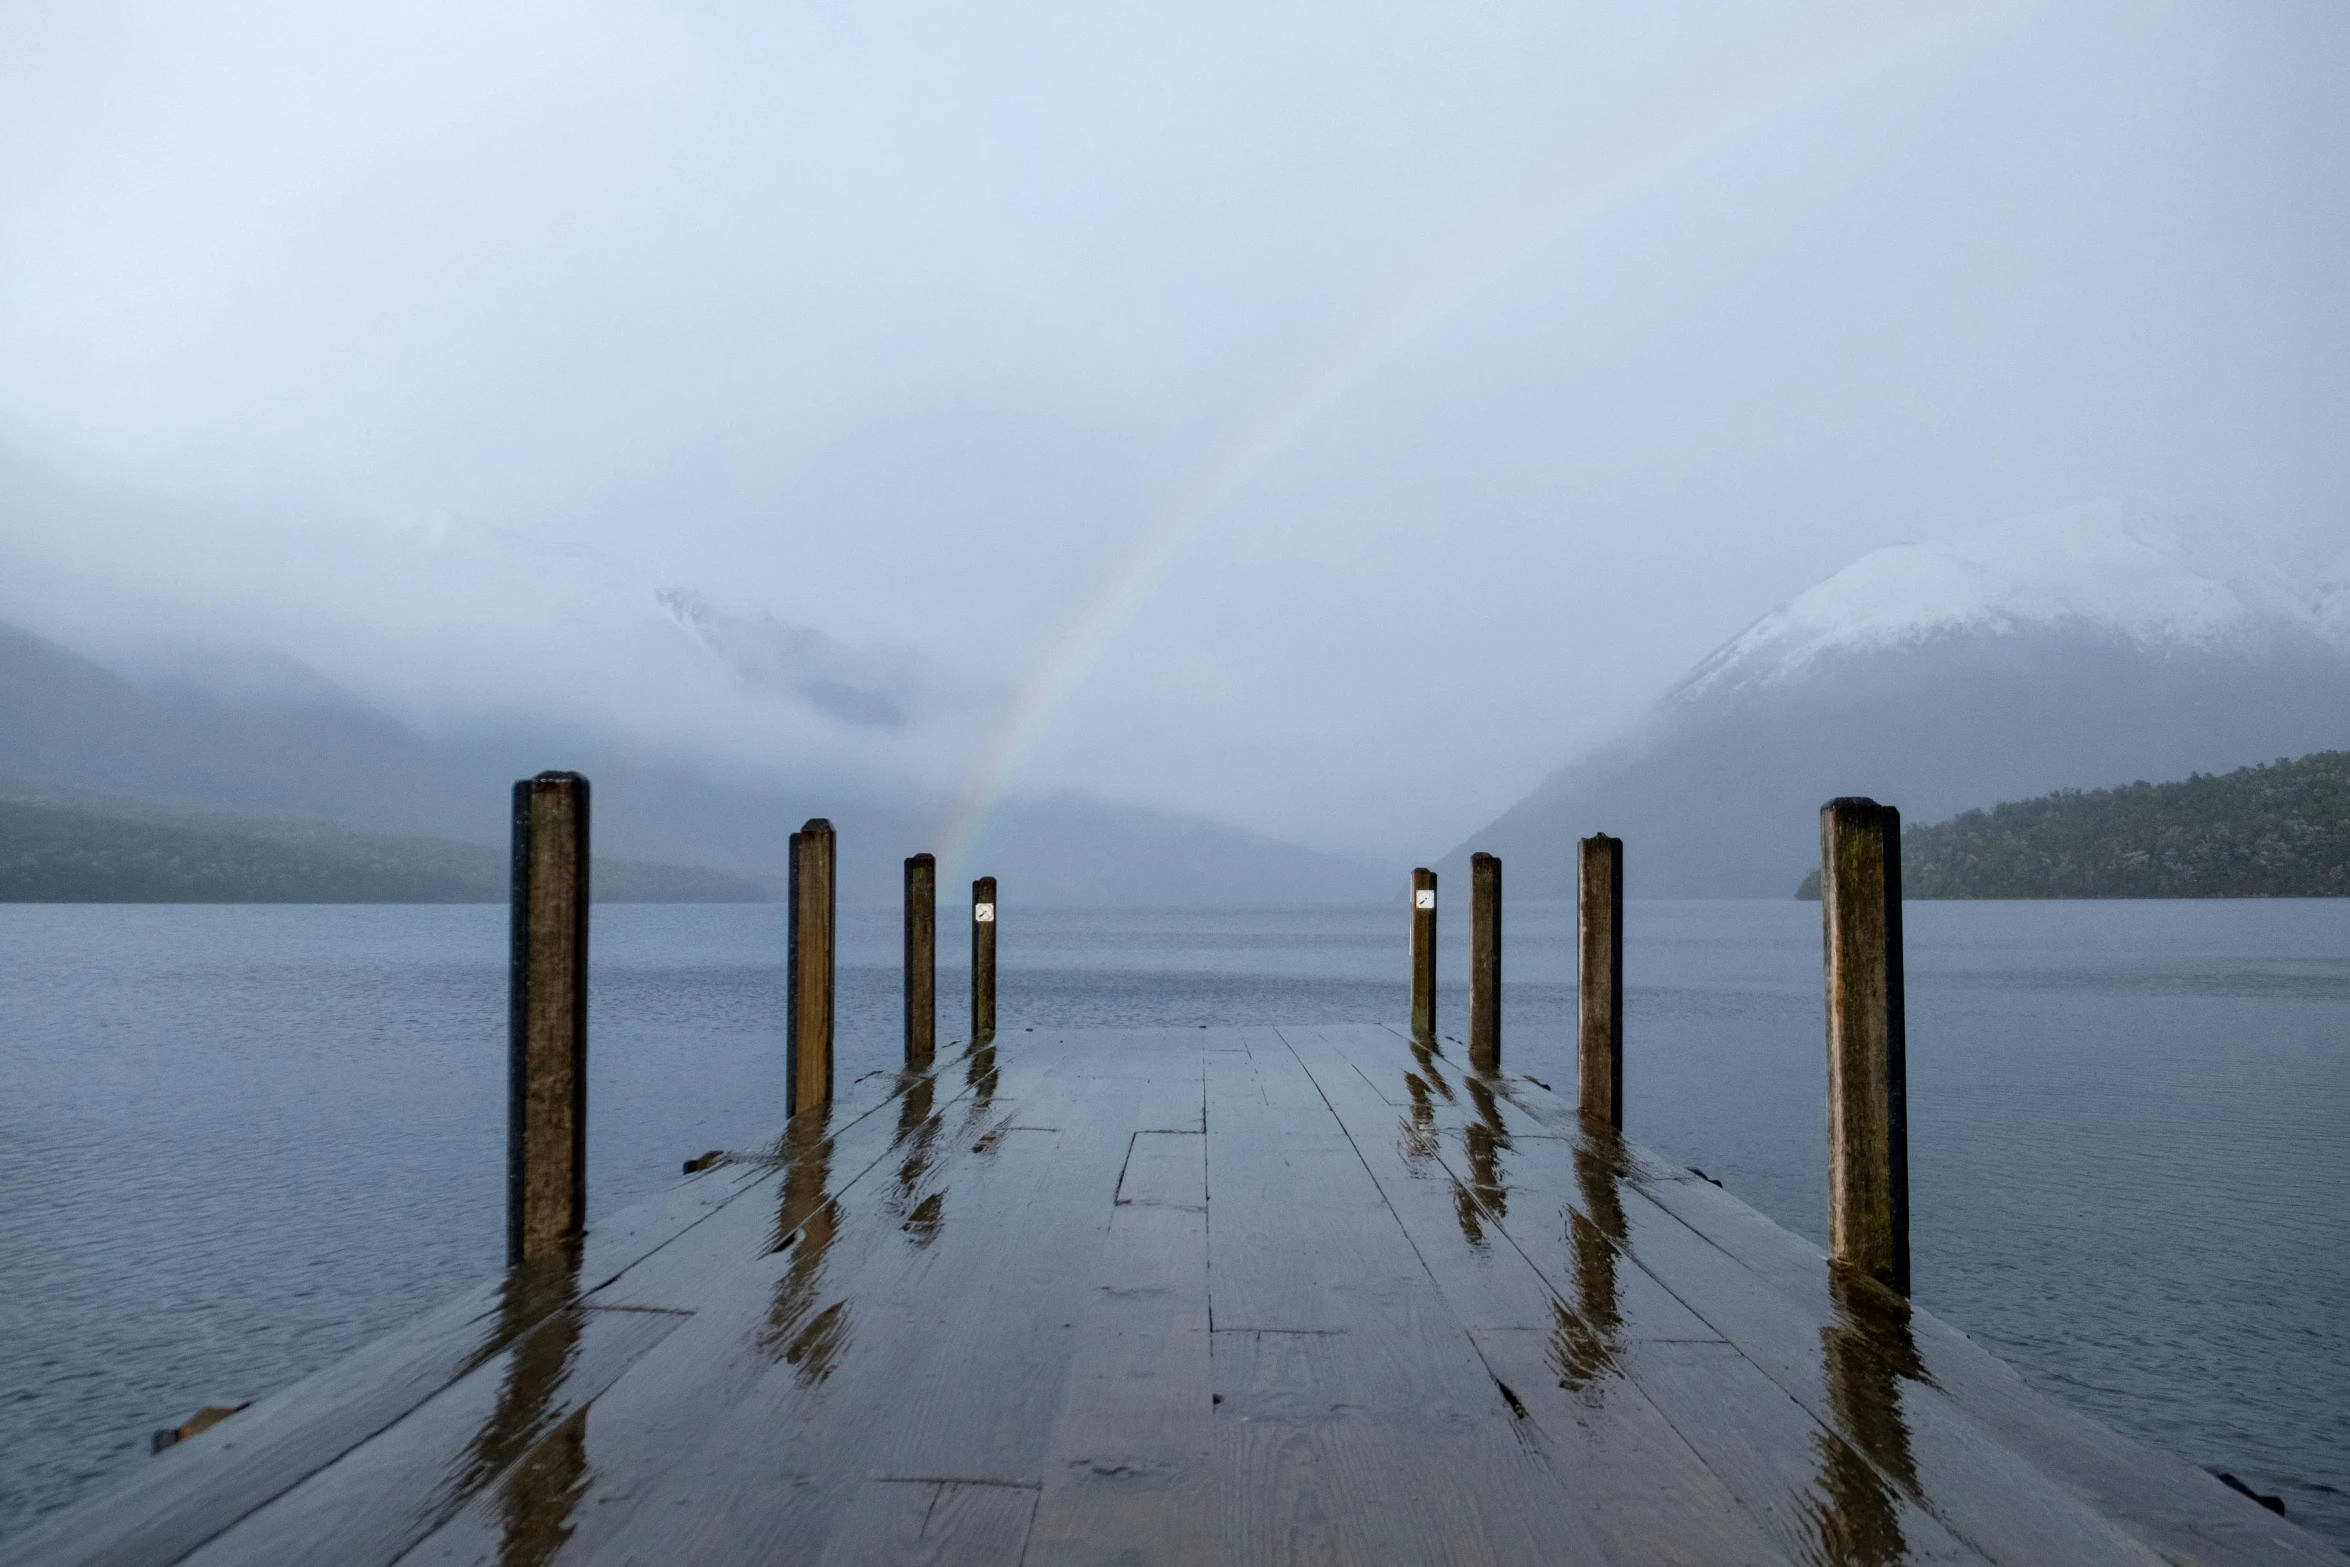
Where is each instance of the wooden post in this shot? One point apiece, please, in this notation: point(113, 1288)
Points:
point(546, 1019)
point(807, 1055)
point(1424, 955)
point(921, 959)
point(983, 960)
point(1484, 962)
point(1868, 1100)
point(1599, 979)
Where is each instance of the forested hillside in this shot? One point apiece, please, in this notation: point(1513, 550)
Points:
point(2280, 830)
point(60, 846)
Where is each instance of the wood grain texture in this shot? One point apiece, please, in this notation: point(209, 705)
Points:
point(1485, 961)
point(983, 923)
point(1599, 978)
point(921, 959)
point(547, 1019)
point(919, 1522)
point(809, 969)
point(1175, 1296)
point(1423, 952)
point(1868, 1105)
point(380, 1500)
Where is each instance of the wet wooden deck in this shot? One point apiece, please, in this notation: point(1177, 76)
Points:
point(1234, 1295)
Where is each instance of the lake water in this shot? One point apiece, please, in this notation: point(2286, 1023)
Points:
point(235, 1143)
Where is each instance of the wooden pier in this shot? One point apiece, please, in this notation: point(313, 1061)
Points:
point(1182, 1296)
point(1178, 1296)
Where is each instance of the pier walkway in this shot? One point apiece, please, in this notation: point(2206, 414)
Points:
point(1182, 1296)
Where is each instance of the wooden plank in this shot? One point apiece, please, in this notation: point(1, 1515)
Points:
point(2157, 1498)
point(1175, 1089)
point(1644, 1495)
point(1509, 1176)
point(1243, 1098)
point(819, 1156)
point(202, 1486)
point(1528, 1106)
point(1813, 1355)
point(869, 1350)
point(1558, 1201)
point(1855, 1372)
point(1356, 1419)
point(1817, 1497)
point(387, 1494)
point(1371, 1446)
point(1166, 1168)
point(934, 1521)
point(1004, 1287)
point(1126, 1471)
point(1444, 1321)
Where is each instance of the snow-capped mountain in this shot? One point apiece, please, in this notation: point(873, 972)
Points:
point(2099, 571)
point(2080, 648)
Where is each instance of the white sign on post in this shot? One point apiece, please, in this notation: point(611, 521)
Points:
point(983, 913)
point(1424, 898)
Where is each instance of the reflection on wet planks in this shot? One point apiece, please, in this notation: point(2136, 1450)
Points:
point(1250, 1295)
point(1871, 1461)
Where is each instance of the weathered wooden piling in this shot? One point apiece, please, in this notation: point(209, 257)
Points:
point(546, 1019)
point(1868, 1104)
point(808, 1003)
point(1599, 979)
point(1485, 962)
point(921, 958)
point(1424, 955)
point(983, 960)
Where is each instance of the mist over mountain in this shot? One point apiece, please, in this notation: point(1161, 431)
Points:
point(2052, 652)
point(278, 741)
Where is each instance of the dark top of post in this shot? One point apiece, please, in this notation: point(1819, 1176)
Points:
point(1485, 962)
point(547, 986)
point(1599, 978)
point(1868, 1101)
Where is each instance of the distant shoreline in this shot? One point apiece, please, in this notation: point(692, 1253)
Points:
point(67, 847)
point(2278, 830)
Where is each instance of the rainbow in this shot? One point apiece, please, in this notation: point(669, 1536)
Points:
point(1673, 131)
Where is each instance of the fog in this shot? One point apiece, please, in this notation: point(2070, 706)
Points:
point(780, 384)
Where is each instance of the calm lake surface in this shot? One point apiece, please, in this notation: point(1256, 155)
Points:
point(236, 1143)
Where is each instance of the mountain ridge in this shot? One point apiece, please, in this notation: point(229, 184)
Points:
point(296, 748)
point(2000, 663)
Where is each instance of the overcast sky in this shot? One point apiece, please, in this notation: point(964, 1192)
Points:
point(774, 380)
